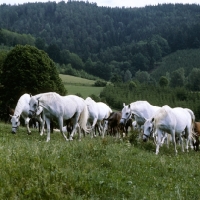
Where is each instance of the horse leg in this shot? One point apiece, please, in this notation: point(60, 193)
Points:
point(48, 128)
point(41, 124)
point(60, 122)
point(172, 133)
point(93, 128)
point(27, 125)
point(75, 124)
point(158, 143)
point(187, 138)
point(79, 131)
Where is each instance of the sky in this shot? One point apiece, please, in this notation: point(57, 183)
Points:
point(111, 3)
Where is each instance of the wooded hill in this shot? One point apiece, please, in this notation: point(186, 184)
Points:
point(105, 41)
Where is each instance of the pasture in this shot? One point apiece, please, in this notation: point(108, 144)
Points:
point(77, 85)
point(95, 168)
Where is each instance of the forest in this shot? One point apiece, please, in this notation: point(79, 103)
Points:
point(102, 41)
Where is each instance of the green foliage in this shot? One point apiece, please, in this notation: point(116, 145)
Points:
point(11, 38)
point(28, 70)
point(142, 76)
point(99, 83)
point(185, 59)
point(163, 82)
point(194, 79)
point(177, 78)
point(132, 85)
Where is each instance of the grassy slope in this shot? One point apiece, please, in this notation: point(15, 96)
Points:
point(79, 85)
point(187, 59)
point(93, 169)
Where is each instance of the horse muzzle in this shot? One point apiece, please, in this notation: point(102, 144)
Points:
point(31, 114)
point(14, 130)
point(122, 122)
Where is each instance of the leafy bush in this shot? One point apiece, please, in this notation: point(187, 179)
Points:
point(100, 83)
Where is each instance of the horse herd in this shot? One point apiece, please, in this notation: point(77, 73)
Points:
point(75, 114)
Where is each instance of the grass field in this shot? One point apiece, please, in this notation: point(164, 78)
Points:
point(75, 85)
point(93, 169)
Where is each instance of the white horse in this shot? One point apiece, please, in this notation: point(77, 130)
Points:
point(62, 108)
point(22, 109)
point(97, 112)
point(141, 110)
point(177, 121)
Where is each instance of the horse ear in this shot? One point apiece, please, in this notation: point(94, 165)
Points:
point(124, 105)
point(152, 119)
point(129, 106)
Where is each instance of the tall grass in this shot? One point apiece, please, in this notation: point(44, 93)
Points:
point(94, 168)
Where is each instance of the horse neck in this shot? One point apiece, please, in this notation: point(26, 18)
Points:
point(19, 108)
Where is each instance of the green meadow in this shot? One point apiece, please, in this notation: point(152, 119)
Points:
point(77, 85)
point(93, 169)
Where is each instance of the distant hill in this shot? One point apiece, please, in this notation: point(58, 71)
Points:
point(187, 59)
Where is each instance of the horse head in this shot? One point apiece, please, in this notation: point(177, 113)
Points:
point(126, 114)
point(148, 129)
point(34, 108)
point(15, 123)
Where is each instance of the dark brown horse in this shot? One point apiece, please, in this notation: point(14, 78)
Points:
point(111, 124)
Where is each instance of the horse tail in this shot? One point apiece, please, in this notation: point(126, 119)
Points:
point(84, 118)
point(192, 131)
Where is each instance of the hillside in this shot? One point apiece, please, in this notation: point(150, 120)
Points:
point(186, 59)
point(81, 86)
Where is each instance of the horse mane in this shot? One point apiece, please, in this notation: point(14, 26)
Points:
point(49, 97)
point(20, 105)
point(88, 100)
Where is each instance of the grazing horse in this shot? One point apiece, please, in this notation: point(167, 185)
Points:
point(62, 108)
point(173, 121)
point(112, 124)
point(22, 109)
point(141, 110)
point(97, 112)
